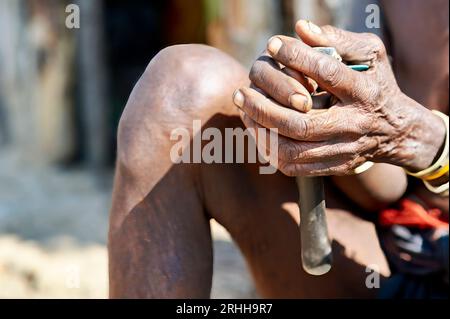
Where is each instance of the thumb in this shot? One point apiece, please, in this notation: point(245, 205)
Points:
point(358, 48)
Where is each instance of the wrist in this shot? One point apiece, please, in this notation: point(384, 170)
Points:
point(424, 139)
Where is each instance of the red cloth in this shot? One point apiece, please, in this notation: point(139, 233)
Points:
point(412, 214)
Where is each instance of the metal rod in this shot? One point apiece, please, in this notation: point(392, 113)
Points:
point(315, 243)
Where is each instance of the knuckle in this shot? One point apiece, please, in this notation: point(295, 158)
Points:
point(358, 147)
point(376, 44)
point(297, 128)
point(291, 152)
point(285, 152)
point(330, 73)
point(291, 125)
point(363, 90)
point(367, 126)
point(368, 91)
point(306, 129)
point(365, 146)
point(259, 111)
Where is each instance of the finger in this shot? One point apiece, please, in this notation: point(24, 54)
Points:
point(299, 152)
point(292, 151)
point(263, 144)
point(288, 149)
point(308, 83)
point(323, 100)
point(343, 166)
point(331, 75)
point(358, 48)
point(316, 125)
point(270, 114)
point(267, 76)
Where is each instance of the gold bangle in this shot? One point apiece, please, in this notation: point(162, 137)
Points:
point(443, 159)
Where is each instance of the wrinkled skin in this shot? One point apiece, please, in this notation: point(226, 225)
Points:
point(160, 243)
point(372, 120)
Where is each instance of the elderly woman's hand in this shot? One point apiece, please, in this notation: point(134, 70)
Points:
point(372, 119)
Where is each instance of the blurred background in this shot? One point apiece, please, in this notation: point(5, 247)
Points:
point(62, 92)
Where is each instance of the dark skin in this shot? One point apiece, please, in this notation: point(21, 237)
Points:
point(372, 119)
point(160, 242)
point(426, 56)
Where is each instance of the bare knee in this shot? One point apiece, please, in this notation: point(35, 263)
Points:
point(185, 81)
point(181, 83)
point(193, 77)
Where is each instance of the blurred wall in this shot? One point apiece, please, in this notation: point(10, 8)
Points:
point(36, 54)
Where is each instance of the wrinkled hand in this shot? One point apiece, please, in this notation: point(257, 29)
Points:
point(372, 119)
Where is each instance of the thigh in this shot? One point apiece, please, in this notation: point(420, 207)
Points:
point(262, 216)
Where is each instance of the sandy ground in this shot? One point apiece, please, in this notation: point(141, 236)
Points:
point(53, 226)
point(29, 269)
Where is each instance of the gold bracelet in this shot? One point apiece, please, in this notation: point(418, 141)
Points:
point(443, 159)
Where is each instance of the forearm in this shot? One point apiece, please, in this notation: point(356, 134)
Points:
point(380, 186)
point(420, 140)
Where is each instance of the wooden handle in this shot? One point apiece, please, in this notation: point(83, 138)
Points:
point(316, 246)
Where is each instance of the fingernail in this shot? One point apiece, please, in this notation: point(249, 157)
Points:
point(238, 98)
point(274, 45)
point(314, 28)
point(299, 102)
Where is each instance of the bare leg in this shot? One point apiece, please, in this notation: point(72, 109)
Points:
point(160, 244)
